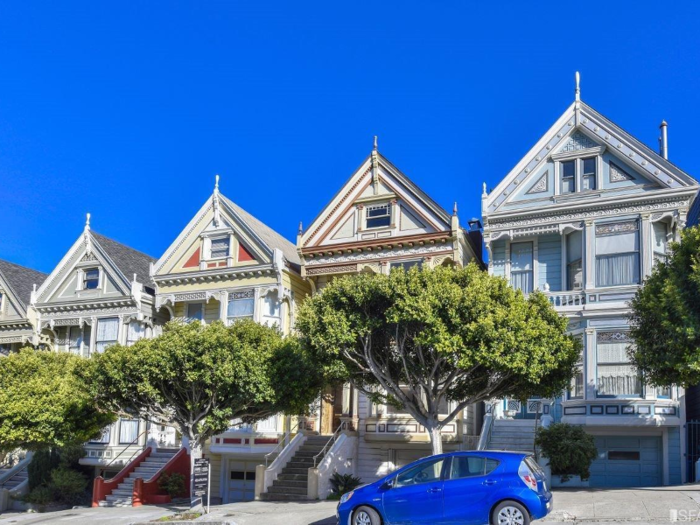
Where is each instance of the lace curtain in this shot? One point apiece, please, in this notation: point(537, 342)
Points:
point(107, 333)
point(615, 376)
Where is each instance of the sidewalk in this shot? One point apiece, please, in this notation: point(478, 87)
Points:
point(658, 504)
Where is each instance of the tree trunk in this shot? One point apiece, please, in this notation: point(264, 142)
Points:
point(435, 439)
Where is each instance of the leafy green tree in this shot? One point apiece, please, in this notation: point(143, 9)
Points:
point(202, 378)
point(417, 339)
point(666, 317)
point(45, 401)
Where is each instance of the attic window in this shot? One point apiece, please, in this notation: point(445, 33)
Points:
point(220, 247)
point(378, 216)
point(91, 279)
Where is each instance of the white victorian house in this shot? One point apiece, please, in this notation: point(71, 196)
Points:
point(583, 217)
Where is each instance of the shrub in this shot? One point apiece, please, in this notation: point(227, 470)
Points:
point(39, 469)
point(568, 448)
point(39, 496)
point(343, 483)
point(172, 484)
point(70, 456)
point(67, 486)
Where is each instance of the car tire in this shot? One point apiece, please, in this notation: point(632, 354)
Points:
point(366, 516)
point(509, 512)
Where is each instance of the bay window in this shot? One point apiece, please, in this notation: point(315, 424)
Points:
point(617, 254)
point(574, 261)
point(617, 377)
point(241, 305)
point(107, 333)
point(521, 265)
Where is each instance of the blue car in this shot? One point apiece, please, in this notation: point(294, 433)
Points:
point(501, 488)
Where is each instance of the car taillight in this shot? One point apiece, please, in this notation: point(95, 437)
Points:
point(527, 476)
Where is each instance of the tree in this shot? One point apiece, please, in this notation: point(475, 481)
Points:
point(665, 318)
point(416, 339)
point(201, 378)
point(45, 402)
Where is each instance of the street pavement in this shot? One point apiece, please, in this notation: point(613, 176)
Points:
point(588, 506)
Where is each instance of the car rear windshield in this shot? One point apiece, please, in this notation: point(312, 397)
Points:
point(534, 467)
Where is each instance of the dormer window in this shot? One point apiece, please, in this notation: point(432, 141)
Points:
point(578, 174)
point(91, 279)
point(378, 216)
point(588, 175)
point(568, 176)
point(220, 248)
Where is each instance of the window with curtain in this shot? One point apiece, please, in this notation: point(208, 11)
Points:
point(271, 309)
point(220, 247)
point(617, 253)
point(616, 376)
point(576, 390)
point(195, 312)
point(521, 265)
point(574, 261)
point(107, 333)
point(128, 431)
point(241, 305)
point(134, 332)
point(76, 339)
point(660, 241)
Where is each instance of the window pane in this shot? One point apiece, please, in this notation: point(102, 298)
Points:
point(220, 247)
point(616, 377)
point(238, 308)
point(423, 473)
point(568, 168)
point(378, 216)
point(128, 430)
point(470, 466)
point(194, 311)
point(406, 265)
point(521, 281)
point(104, 437)
point(107, 330)
point(617, 270)
point(135, 332)
point(76, 338)
point(588, 182)
point(91, 279)
point(589, 166)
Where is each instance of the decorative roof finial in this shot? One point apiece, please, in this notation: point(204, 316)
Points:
point(484, 190)
point(578, 86)
point(375, 143)
point(87, 222)
point(216, 185)
point(301, 229)
point(454, 209)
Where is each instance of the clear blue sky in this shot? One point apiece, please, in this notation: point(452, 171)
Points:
point(128, 109)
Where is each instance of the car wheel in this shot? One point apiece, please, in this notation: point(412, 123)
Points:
point(509, 513)
point(366, 516)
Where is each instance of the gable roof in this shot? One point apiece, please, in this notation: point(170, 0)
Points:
point(269, 236)
point(579, 116)
point(128, 260)
point(21, 280)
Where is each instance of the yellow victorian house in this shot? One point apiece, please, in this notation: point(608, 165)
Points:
point(228, 265)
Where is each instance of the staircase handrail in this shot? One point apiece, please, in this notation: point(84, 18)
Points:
point(146, 491)
point(102, 488)
point(279, 448)
point(487, 428)
point(328, 444)
point(15, 469)
point(115, 458)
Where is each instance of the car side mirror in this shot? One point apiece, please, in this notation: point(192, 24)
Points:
point(388, 484)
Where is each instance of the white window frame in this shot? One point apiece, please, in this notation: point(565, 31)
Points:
point(97, 333)
point(84, 279)
point(226, 238)
point(367, 218)
point(641, 394)
point(230, 319)
point(639, 250)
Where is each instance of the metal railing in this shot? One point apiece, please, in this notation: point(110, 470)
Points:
point(282, 444)
point(486, 432)
point(329, 444)
point(126, 447)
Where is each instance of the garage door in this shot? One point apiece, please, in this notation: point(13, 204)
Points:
point(625, 461)
point(241, 481)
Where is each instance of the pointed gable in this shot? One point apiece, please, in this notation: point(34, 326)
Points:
point(623, 166)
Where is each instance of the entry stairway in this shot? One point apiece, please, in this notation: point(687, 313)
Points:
point(516, 435)
point(15, 480)
point(292, 482)
point(145, 469)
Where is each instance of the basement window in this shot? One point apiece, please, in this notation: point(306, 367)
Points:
point(623, 455)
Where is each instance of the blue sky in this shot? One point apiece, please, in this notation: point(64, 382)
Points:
point(128, 110)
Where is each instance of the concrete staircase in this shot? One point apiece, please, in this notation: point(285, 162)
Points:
point(291, 483)
point(517, 435)
point(122, 495)
point(15, 480)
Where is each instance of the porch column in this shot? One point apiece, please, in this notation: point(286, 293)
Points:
point(589, 254)
point(645, 244)
point(589, 363)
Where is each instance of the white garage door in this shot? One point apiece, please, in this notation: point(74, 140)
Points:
point(627, 461)
point(241, 481)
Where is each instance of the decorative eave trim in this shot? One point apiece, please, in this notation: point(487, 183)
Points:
point(380, 244)
point(84, 306)
point(18, 324)
point(215, 275)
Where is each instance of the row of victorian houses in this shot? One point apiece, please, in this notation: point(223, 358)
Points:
point(582, 217)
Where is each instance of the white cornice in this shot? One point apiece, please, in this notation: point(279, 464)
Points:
point(218, 274)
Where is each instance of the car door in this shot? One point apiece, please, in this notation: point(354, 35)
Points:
point(415, 495)
point(469, 481)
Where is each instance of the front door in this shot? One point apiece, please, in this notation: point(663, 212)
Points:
point(416, 495)
point(470, 481)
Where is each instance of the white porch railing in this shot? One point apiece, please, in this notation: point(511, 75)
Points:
point(569, 298)
point(269, 474)
point(340, 458)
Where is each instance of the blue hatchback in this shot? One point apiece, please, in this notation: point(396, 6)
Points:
point(501, 488)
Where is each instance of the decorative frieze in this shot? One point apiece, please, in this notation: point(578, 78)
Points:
point(617, 174)
point(578, 141)
point(332, 269)
point(616, 227)
point(377, 255)
point(541, 186)
point(613, 337)
point(243, 294)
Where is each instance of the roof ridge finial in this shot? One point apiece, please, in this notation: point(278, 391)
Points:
point(301, 228)
point(216, 184)
point(87, 221)
point(375, 143)
point(578, 86)
point(454, 209)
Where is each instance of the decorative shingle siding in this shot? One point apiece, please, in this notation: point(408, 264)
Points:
point(549, 261)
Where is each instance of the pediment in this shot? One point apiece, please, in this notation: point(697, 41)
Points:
point(626, 165)
point(376, 184)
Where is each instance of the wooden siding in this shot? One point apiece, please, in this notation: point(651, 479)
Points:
point(549, 261)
